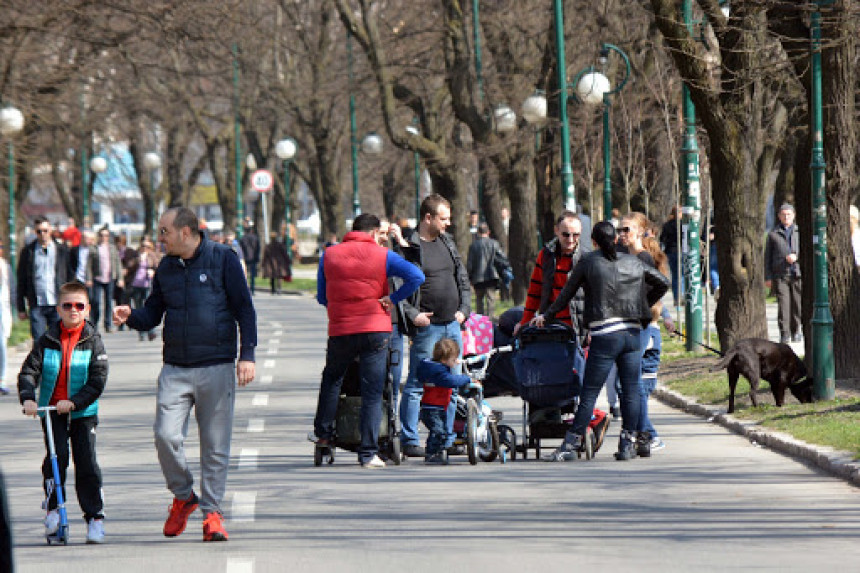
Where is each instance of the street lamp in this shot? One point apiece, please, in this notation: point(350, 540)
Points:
point(286, 149)
point(824, 385)
point(416, 161)
point(240, 207)
point(152, 162)
point(11, 123)
point(593, 87)
point(98, 164)
point(534, 109)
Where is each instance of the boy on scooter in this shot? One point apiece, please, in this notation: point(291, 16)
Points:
point(69, 366)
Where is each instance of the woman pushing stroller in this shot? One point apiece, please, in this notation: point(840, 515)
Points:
point(619, 292)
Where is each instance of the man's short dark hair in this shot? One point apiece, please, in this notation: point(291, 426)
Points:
point(365, 223)
point(185, 217)
point(72, 288)
point(430, 205)
point(483, 229)
point(566, 215)
point(39, 220)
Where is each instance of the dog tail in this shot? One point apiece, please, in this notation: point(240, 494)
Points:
point(724, 361)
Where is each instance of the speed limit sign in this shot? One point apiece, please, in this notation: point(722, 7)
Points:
point(262, 181)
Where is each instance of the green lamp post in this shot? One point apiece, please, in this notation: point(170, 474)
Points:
point(286, 149)
point(566, 170)
point(824, 385)
point(11, 123)
point(152, 163)
point(237, 157)
point(416, 161)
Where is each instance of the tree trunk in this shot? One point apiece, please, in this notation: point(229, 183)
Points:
point(517, 180)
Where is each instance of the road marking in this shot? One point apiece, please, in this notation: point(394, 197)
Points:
point(268, 364)
point(272, 350)
point(248, 460)
point(240, 565)
point(243, 506)
point(260, 400)
point(267, 379)
point(278, 333)
point(256, 425)
point(275, 324)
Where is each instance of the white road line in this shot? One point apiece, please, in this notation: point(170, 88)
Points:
point(278, 333)
point(267, 379)
point(256, 425)
point(275, 324)
point(272, 350)
point(260, 400)
point(240, 565)
point(268, 363)
point(243, 506)
point(247, 460)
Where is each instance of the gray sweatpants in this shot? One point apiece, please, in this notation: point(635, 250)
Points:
point(211, 390)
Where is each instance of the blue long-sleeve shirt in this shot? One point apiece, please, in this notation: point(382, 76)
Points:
point(395, 266)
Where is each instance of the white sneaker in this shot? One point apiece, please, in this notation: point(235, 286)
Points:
point(96, 531)
point(52, 522)
point(657, 444)
point(374, 463)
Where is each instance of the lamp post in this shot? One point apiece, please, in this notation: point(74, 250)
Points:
point(416, 161)
point(98, 165)
point(353, 142)
point(691, 209)
point(11, 123)
point(566, 170)
point(824, 386)
point(240, 208)
point(152, 162)
point(286, 149)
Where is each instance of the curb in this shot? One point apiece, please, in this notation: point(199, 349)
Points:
point(835, 462)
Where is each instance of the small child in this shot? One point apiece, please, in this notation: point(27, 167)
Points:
point(69, 366)
point(439, 381)
point(647, 438)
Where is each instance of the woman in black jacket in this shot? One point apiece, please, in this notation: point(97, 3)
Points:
point(619, 292)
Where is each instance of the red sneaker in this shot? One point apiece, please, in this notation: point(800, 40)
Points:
point(178, 513)
point(213, 529)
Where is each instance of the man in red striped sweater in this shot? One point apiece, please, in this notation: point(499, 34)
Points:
point(554, 263)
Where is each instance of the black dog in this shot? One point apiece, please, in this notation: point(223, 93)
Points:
point(755, 358)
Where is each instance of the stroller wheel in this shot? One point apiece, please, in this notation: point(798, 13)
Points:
point(395, 454)
point(588, 444)
point(507, 442)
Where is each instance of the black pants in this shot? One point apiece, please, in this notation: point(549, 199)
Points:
point(484, 294)
point(787, 290)
point(88, 477)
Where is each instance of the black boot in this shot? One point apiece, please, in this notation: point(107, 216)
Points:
point(567, 451)
point(643, 444)
point(626, 447)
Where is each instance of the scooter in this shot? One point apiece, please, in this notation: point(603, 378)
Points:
point(62, 533)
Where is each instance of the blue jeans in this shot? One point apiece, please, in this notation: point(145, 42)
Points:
point(100, 290)
point(647, 385)
point(410, 403)
point(371, 348)
point(40, 318)
point(436, 420)
point(624, 349)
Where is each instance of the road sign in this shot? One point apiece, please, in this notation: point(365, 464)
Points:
point(262, 180)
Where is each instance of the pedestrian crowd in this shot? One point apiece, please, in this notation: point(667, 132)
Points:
point(380, 283)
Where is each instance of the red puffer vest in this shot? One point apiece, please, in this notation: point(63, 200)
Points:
point(355, 281)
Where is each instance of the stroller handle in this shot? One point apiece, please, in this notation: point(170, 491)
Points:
point(481, 357)
point(45, 408)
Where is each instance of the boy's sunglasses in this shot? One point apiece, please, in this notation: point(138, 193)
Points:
point(75, 305)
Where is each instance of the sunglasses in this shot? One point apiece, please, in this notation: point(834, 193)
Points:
point(567, 235)
point(624, 230)
point(43, 231)
point(74, 305)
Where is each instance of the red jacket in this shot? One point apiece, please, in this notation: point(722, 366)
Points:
point(355, 280)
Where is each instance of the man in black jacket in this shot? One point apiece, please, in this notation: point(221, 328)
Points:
point(782, 271)
point(250, 244)
point(483, 264)
point(435, 311)
point(42, 269)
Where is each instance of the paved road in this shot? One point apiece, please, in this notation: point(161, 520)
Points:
point(709, 501)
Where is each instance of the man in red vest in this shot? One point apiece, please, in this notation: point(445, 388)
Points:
point(352, 283)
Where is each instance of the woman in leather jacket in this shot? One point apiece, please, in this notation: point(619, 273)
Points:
point(619, 292)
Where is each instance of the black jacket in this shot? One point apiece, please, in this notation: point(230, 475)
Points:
point(412, 253)
point(27, 270)
point(624, 288)
point(779, 245)
point(485, 258)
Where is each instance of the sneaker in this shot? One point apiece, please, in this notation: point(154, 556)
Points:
point(413, 451)
point(373, 463)
point(643, 444)
point(437, 459)
point(456, 450)
point(52, 522)
point(178, 513)
point(213, 529)
point(600, 432)
point(96, 531)
point(657, 444)
point(626, 447)
point(4, 390)
point(566, 452)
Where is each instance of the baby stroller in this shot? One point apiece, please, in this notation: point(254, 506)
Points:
point(548, 366)
point(347, 434)
point(476, 424)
